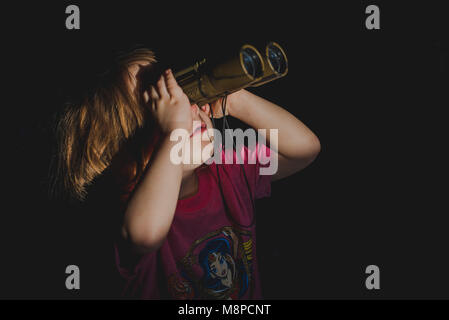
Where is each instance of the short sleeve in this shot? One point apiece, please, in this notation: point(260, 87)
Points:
point(257, 165)
point(128, 263)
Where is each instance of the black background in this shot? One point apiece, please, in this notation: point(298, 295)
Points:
point(376, 99)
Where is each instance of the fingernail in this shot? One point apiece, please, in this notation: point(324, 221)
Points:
point(167, 71)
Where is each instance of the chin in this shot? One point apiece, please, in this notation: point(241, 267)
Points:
point(198, 153)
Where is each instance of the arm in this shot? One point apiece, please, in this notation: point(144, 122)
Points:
point(297, 145)
point(150, 211)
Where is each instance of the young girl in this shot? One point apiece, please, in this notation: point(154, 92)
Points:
point(186, 230)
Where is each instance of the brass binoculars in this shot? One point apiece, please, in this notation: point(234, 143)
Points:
point(206, 81)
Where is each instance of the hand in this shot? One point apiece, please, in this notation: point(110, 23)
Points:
point(170, 105)
point(216, 106)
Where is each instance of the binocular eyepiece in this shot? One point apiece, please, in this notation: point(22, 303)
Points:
point(205, 82)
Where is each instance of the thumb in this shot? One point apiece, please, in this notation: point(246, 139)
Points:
point(206, 109)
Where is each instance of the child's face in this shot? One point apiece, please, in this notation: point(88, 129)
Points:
point(201, 140)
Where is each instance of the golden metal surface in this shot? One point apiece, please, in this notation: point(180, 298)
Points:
point(205, 82)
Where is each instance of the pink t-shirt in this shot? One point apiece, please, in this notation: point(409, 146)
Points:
point(205, 255)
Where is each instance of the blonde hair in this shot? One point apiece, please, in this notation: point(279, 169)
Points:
point(91, 133)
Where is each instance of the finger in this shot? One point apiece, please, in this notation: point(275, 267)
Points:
point(203, 116)
point(153, 106)
point(146, 96)
point(154, 95)
point(172, 86)
point(215, 110)
point(206, 109)
point(195, 109)
point(162, 88)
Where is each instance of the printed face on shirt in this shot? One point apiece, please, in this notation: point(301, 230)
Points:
point(218, 265)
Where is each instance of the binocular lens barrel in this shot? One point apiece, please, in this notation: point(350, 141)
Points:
point(276, 64)
point(277, 58)
point(252, 62)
